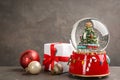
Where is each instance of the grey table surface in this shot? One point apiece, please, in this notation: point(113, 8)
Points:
point(17, 73)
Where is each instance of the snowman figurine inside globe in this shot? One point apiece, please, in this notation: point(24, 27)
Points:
point(89, 59)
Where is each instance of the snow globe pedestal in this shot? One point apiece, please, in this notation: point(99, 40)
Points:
point(90, 39)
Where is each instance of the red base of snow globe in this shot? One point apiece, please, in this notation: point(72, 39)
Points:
point(89, 64)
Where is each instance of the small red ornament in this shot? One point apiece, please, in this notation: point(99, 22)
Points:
point(27, 57)
point(91, 36)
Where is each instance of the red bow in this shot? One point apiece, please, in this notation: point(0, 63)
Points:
point(49, 59)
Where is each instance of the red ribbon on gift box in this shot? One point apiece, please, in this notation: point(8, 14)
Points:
point(50, 59)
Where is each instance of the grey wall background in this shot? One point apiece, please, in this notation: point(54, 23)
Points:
point(28, 24)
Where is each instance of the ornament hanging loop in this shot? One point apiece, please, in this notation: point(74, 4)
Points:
point(69, 61)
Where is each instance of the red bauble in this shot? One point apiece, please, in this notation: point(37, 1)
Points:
point(28, 56)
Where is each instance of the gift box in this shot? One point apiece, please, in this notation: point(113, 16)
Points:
point(57, 53)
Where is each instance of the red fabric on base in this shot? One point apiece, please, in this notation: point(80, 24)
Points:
point(99, 67)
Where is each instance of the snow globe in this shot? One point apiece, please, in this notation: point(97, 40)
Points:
point(89, 38)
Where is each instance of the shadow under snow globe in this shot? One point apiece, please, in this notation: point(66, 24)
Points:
point(90, 38)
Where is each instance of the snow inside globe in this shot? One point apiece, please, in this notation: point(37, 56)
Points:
point(89, 34)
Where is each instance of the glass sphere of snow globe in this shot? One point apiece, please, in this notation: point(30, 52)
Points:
point(89, 34)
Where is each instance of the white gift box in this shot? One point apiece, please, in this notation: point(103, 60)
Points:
point(63, 50)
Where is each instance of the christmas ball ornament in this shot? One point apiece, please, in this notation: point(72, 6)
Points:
point(89, 38)
point(27, 57)
point(58, 69)
point(101, 62)
point(108, 59)
point(34, 67)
